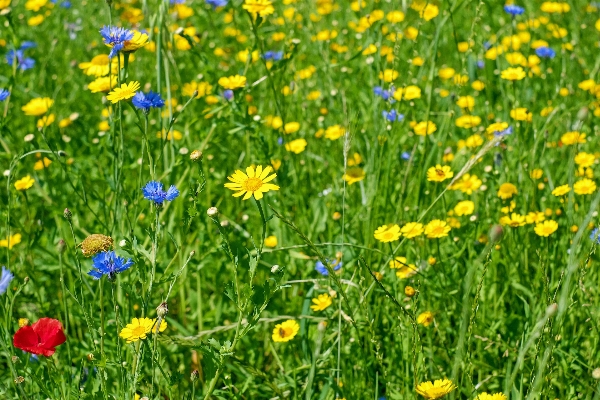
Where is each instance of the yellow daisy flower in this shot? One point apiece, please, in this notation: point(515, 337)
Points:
point(439, 173)
point(24, 183)
point(37, 106)
point(253, 182)
point(233, 82)
point(285, 331)
point(354, 174)
point(437, 229)
point(561, 190)
point(126, 91)
point(425, 319)
point(546, 228)
point(321, 302)
point(139, 328)
point(387, 233)
point(435, 390)
point(412, 230)
point(259, 7)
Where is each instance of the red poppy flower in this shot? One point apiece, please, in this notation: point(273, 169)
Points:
point(41, 337)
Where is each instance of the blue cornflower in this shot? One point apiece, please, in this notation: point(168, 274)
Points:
point(405, 155)
point(154, 191)
point(595, 235)
point(217, 3)
point(228, 94)
point(335, 264)
point(506, 132)
point(273, 55)
point(384, 94)
point(545, 52)
point(513, 9)
point(110, 264)
point(146, 101)
point(392, 116)
point(4, 94)
point(115, 37)
point(28, 44)
point(23, 63)
point(480, 64)
point(177, 1)
point(5, 279)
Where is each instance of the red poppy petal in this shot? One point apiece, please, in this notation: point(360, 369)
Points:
point(26, 339)
point(50, 332)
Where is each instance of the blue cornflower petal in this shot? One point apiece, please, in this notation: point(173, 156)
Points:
point(320, 267)
point(513, 9)
point(595, 235)
point(217, 3)
point(172, 193)
point(545, 52)
point(5, 280)
point(115, 37)
point(146, 101)
point(108, 263)
point(154, 191)
point(4, 94)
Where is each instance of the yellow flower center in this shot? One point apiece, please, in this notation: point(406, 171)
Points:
point(437, 230)
point(388, 235)
point(252, 184)
point(283, 332)
point(138, 331)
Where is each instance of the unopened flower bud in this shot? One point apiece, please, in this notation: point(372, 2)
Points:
point(192, 253)
point(194, 376)
point(583, 113)
point(212, 212)
point(67, 214)
point(409, 291)
point(496, 233)
point(195, 94)
point(196, 155)
point(551, 309)
point(274, 268)
point(322, 326)
point(90, 356)
point(596, 373)
point(26, 280)
point(15, 359)
point(162, 309)
point(61, 246)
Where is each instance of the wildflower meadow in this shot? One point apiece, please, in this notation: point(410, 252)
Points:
point(299, 199)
